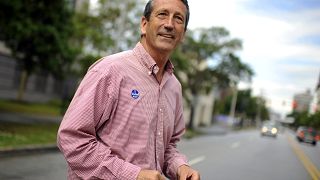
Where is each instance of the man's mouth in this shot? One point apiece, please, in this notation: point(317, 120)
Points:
point(169, 36)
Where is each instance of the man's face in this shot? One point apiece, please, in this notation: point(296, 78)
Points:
point(165, 28)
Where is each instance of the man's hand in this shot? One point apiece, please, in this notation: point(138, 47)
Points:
point(187, 173)
point(150, 175)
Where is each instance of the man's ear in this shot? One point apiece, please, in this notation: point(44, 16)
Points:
point(143, 25)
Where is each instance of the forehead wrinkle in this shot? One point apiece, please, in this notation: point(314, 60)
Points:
point(163, 4)
point(176, 12)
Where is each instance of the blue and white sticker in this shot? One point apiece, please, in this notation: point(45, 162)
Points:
point(135, 94)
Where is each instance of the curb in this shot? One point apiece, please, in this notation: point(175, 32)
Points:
point(8, 152)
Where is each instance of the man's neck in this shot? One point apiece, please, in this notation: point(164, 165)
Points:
point(161, 59)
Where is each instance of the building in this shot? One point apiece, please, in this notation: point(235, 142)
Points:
point(315, 104)
point(41, 86)
point(302, 101)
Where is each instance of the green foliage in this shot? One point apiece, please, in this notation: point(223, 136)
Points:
point(305, 119)
point(201, 45)
point(247, 106)
point(111, 27)
point(237, 70)
point(47, 109)
point(191, 133)
point(191, 63)
point(37, 32)
point(14, 135)
point(86, 62)
point(314, 120)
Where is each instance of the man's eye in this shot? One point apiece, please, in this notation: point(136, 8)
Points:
point(162, 14)
point(179, 19)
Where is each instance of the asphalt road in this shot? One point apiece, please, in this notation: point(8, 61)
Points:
point(234, 155)
point(247, 155)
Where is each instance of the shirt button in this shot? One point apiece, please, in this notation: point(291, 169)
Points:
point(155, 69)
point(159, 133)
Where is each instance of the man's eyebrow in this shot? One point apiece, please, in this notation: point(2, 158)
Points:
point(166, 10)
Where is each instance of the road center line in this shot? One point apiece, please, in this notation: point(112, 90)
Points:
point(235, 145)
point(196, 160)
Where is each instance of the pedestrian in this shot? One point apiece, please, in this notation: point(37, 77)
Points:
point(126, 116)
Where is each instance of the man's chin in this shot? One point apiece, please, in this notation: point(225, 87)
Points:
point(166, 46)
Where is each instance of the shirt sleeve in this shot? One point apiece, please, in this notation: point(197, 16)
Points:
point(91, 107)
point(173, 158)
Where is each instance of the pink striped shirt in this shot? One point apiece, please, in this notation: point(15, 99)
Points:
point(121, 120)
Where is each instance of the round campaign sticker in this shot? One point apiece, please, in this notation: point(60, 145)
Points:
point(135, 93)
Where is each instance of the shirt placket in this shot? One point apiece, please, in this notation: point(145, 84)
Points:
point(159, 133)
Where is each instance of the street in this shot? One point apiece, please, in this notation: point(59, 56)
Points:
point(247, 155)
point(234, 155)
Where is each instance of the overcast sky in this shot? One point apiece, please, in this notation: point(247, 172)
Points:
point(281, 42)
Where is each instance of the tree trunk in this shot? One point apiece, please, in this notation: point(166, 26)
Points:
point(22, 85)
point(190, 125)
point(193, 106)
point(233, 103)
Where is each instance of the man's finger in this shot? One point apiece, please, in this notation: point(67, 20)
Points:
point(183, 176)
point(195, 176)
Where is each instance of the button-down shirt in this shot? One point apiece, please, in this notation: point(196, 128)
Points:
point(122, 120)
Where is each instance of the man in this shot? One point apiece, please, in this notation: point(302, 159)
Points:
point(126, 116)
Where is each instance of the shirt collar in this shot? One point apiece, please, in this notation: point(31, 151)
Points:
point(146, 60)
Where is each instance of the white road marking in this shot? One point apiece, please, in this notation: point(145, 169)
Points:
point(235, 145)
point(196, 160)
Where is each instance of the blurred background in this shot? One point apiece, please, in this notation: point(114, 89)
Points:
point(250, 72)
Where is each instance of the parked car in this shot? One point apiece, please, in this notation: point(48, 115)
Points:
point(307, 134)
point(269, 128)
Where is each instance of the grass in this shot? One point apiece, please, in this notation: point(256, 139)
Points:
point(45, 109)
point(14, 135)
point(190, 133)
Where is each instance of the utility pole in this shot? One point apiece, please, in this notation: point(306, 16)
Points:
point(259, 102)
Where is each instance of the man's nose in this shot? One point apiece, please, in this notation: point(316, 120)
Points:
point(169, 23)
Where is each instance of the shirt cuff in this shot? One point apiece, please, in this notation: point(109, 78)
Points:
point(130, 171)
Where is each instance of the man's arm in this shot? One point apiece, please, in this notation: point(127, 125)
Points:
point(90, 108)
point(173, 158)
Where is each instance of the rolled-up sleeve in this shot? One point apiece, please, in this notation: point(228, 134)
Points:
point(91, 107)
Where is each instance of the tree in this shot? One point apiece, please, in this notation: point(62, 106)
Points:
point(191, 60)
point(315, 120)
point(301, 118)
point(247, 106)
point(37, 33)
point(106, 28)
point(306, 119)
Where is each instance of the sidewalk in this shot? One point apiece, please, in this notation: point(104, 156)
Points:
point(214, 130)
point(27, 119)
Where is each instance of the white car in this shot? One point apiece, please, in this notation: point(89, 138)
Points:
point(269, 129)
